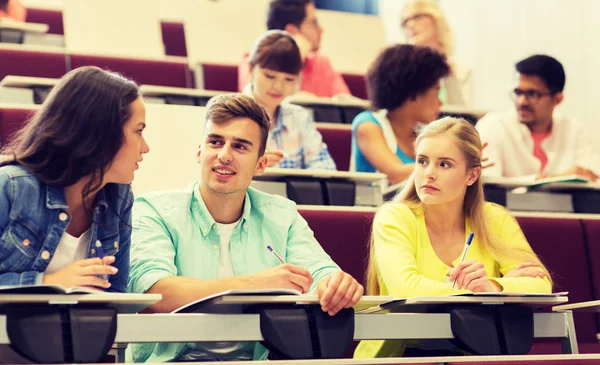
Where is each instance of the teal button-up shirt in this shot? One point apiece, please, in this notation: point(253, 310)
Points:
point(175, 235)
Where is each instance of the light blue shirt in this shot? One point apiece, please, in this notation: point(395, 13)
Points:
point(296, 134)
point(175, 235)
point(361, 162)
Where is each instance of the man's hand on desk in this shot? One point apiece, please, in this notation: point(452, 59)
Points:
point(284, 276)
point(577, 171)
point(337, 291)
point(274, 157)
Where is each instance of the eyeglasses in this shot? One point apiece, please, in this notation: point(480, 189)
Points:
point(533, 96)
point(414, 17)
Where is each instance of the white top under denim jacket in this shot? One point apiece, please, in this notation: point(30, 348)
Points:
point(33, 218)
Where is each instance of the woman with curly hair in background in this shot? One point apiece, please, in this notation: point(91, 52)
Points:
point(403, 85)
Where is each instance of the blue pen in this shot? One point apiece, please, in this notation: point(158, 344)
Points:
point(467, 245)
point(276, 255)
point(100, 254)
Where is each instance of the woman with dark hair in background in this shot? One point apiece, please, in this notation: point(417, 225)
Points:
point(64, 185)
point(294, 141)
point(403, 85)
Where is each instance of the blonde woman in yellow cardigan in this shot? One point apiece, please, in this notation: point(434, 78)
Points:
point(418, 239)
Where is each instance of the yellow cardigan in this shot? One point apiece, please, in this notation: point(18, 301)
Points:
point(408, 266)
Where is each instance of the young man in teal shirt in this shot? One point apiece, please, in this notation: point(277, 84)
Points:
point(213, 236)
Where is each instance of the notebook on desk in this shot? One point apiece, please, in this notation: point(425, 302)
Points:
point(239, 301)
point(59, 295)
point(46, 289)
point(421, 304)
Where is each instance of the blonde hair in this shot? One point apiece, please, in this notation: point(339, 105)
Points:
point(432, 8)
point(466, 138)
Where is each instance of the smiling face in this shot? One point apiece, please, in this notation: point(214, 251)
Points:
point(270, 87)
point(441, 173)
point(127, 160)
point(229, 156)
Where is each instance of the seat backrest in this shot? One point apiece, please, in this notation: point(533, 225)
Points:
point(21, 62)
point(53, 18)
point(11, 120)
point(357, 85)
point(142, 71)
point(173, 37)
point(560, 245)
point(591, 229)
point(344, 235)
point(218, 77)
point(339, 144)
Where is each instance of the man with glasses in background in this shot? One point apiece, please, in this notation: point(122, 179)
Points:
point(533, 141)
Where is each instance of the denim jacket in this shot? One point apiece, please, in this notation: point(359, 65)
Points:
point(33, 218)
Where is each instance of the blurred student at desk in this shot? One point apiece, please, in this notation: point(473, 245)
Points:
point(213, 237)
point(418, 241)
point(424, 24)
point(294, 141)
point(13, 9)
point(299, 18)
point(403, 84)
point(533, 141)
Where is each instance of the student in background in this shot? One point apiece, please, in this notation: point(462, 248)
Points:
point(213, 236)
point(64, 185)
point(424, 24)
point(294, 141)
point(418, 239)
point(13, 9)
point(533, 141)
point(403, 85)
point(299, 18)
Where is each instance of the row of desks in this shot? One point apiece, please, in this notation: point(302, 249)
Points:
point(415, 322)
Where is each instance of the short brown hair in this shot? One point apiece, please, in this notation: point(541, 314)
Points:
point(223, 108)
point(276, 50)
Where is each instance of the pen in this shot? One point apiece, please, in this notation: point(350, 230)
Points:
point(276, 255)
point(467, 245)
point(100, 253)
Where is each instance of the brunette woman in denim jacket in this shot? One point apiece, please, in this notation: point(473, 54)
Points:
point(65, 185)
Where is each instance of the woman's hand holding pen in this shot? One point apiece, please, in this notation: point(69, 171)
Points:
point(471, 275)
point(337, 291)
point(284, 276)
point(83, 273)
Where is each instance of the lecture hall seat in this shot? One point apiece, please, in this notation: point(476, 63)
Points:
point(339, 144)
point(46, 16)
point(173, 36)
point(11, 120)
point(143, 71)
point(24, 62)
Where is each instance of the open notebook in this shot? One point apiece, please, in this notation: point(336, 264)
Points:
point(197, 304)
point(46, 289)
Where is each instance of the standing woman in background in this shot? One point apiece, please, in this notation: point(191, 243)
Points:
point(294, 141)
point(424, 24)
point(418, 239)
point(65, 185)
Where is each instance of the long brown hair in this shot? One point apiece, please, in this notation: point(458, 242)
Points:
point(466, 138)
point(78, 130)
